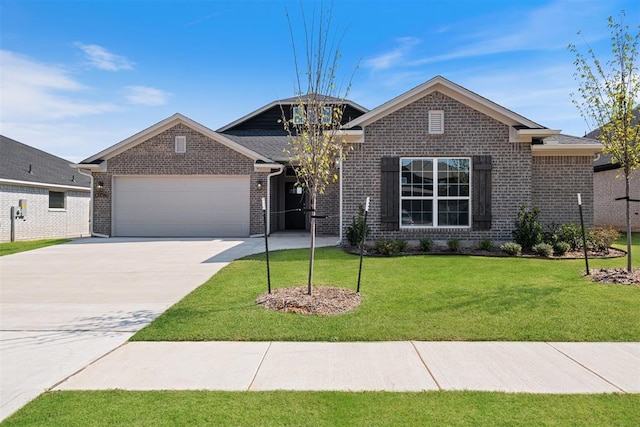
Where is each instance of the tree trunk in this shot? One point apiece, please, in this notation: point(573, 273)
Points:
point(312, 251)
point(628, 200)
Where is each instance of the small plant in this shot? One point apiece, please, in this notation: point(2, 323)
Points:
point(384, 247)
point(561, 248)
point(426, 244)
point(553, 234)
point(453, 245)
point(572, 234)
point(511, 248)
point(529, 230)
point(485, 245)
point(401, 245)
point(543, 249)
point(601, 239)
point(358, 229)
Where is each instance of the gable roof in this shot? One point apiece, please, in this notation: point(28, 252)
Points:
point(162, 126)
point(289, 101)
point(523, 125)
point(47, 170)
point(603, 162)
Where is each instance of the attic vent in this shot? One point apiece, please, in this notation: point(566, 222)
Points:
point(436, 122)
point(181, 144)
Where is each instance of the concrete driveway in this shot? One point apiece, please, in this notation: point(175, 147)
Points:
point(63, 307)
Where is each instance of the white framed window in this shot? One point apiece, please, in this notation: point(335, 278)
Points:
point(57, 200)
point(181, 144)
point(327, 113)
point(436, 122)
point(435, 192)
point(298, 115)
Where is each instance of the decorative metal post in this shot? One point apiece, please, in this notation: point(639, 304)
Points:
point(584, 236)
point(266, 244)
point(364, 228)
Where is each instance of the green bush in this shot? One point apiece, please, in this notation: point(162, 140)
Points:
point(426, 244)
point(358, 229)
point(453, 245)
point(511, 248)
point(384, 247)
point(485, 245)
point(543, 249)
point(401, 245)
point(572, 234)
point(561, 248)
point(529, 230)
point(601, 239)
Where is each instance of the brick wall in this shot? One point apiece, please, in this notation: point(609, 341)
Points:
point(329, 204)
point(156, 156)
point(467, 133)
point(608, 212)
point(40, 221)
point(556, 182)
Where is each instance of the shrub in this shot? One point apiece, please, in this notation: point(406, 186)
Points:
point(543, 249)
point(511, 248)
point(601, 239)
point(485, 245)
point(561, 248)
point(384, 247)
point(529, 230)
point(401, 245)
point(426, 244)
point(572, 234)
point(453, 245)
point(358, 229)
point(553, 234)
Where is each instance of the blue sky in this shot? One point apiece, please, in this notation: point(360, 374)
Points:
point(79, 76)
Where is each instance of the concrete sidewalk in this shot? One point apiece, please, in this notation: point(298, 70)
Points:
point(535, 367)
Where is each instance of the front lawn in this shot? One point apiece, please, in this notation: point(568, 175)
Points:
point(430, 298)
point(283, 408)
point(9, 248)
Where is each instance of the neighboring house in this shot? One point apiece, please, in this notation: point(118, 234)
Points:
point(609, 185)
point(49, 198)
point(438, 161)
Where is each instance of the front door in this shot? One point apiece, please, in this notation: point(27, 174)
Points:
point(294, 217)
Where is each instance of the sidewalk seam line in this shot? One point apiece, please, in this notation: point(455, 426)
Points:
point(587, 368)
point(86, 366)
point(259, 366)
point(425, 366)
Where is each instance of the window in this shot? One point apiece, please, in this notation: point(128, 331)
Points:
point(324, 113)
point(181, 144)
point(327, 112)
point(56, 199)
point(435, 192)
point(436, 122)
point(298, 115)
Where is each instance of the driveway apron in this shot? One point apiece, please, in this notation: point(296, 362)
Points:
point(65, 306)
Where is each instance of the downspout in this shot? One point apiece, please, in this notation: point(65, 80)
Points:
point(272, 174)
point(90, 175)
point(339, 242)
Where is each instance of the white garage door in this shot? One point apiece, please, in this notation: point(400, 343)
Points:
point(181, 206)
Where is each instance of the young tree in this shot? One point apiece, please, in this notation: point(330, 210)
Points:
point(316, 144)
point(607, 96)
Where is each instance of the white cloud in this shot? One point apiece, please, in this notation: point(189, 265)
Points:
point(102, 59)
point(395, 57)
point(145, 95)
point(38, 91)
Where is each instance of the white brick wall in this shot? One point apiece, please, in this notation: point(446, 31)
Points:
point(40, 221)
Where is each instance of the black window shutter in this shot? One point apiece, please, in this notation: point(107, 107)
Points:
point(481, 192)
point(389, 193)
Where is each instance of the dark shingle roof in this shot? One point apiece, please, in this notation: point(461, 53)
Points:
point(568, 140)
point(267, 144)
point(17, 158)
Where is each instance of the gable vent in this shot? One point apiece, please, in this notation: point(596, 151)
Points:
point(436, 122)
point(181, 144)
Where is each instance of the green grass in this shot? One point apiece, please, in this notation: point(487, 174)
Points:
point(9, 248)
point(172, 408)
point(411, 298)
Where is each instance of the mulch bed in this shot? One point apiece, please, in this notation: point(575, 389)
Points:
point(618, 276)
point(324, 301)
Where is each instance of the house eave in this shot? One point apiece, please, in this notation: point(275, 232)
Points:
point(48, 185)
point(566, 150)
point(93, 167)
point(527, 134)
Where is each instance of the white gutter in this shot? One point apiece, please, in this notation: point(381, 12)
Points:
point(90, 175)
point(272, 174)
point(339, 242)
point(42, 184)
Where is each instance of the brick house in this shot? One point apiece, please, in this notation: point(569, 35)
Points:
point(41, 195)
point(438, 160)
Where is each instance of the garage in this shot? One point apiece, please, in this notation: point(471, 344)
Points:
point(181, 206)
